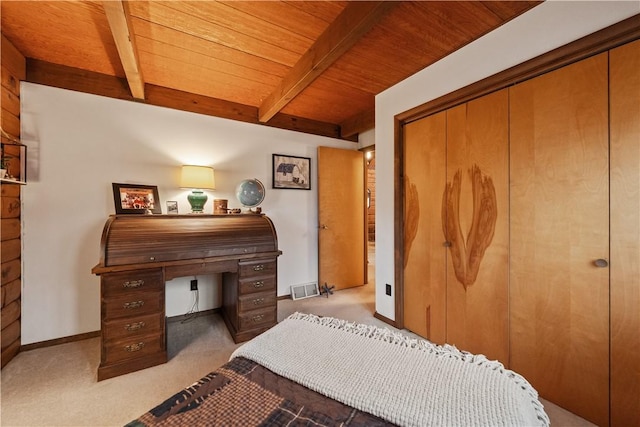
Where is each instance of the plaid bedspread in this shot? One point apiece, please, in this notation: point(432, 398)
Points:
point(244, 393)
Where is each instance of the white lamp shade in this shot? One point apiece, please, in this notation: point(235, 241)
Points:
point(200, 177)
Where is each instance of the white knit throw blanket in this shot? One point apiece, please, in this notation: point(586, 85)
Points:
point(405, 381)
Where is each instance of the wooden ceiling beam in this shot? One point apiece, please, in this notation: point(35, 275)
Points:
point(361, 122)
point(64, 77)
point(117, 12)
point(355, 21)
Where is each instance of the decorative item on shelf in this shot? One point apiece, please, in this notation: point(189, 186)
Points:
point(250, 193)
point(197, 178)
point(172, 207)
point(220, 206)
point(13, 159)
point(136, 199)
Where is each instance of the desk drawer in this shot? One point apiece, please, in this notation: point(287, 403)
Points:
point(261, 284)
point(132, 305)
point(131, 281)
point(133, 348)
point(257, 268)
point(132, 327)
point(256, 301)
point(257, 319)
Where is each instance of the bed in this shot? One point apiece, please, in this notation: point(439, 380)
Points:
point(311, 370)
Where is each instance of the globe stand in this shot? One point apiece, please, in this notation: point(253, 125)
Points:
point(250, 193)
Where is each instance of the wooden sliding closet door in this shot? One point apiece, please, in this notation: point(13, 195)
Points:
point(625, 234)
point(424, 254)
point(476, 216)
point(559, 228)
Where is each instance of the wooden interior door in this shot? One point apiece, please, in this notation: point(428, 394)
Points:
point(625, 234)
point(477, 215)
point(342, 218)
point(559, 317)
point(424, 275)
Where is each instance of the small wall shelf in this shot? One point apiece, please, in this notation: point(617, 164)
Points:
point(16, 152)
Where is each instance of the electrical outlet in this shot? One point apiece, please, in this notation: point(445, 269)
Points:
point(388, 289)
point(194, 285)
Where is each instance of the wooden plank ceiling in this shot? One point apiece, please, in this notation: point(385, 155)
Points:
point(311, 66)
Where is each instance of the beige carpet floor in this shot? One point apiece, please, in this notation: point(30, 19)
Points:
point(56, 386)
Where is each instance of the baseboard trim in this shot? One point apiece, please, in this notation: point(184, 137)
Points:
point(384, 319)
point(182, 317)
point(283, 297)
point(58, 341)
point(95, 334)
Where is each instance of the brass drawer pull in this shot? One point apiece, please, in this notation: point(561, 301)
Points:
point(258, 284)
point(133, 304)
point(259, 267)
point(257, 318)
point(258, 301)
point(134, 347)
point(134, 326)
point(133, 283)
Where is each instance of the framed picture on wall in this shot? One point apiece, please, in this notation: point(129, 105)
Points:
point(136, 199)
point(291, 172)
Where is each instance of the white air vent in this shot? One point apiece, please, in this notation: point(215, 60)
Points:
point(304, 291)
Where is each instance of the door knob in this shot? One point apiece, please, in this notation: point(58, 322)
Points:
point(601, 263)
point(324, 227)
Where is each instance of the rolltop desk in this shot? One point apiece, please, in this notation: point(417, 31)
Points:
point(139, 253)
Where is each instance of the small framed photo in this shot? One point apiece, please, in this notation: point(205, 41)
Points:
point(291, 172)
point(136, 199)
point(172, 207)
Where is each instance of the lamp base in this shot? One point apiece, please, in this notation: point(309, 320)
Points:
point(197, 200)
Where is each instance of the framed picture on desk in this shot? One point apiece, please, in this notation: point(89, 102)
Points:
point(136, 199)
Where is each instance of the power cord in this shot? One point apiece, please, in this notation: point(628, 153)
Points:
point(193, 312)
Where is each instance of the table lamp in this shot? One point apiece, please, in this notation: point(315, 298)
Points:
point(197, 178)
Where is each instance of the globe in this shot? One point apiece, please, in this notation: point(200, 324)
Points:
point(250, 192)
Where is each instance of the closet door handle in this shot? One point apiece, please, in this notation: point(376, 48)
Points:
point(601, 263)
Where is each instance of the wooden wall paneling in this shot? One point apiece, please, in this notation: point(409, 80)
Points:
point(625, 234)
point(559, 317)
point(13, 71)
point(424, 252)
point(478, 219)
point(10, 228)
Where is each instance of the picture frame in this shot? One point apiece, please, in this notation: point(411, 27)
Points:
point(136, 199)
point(291, 172)
point(172, 207)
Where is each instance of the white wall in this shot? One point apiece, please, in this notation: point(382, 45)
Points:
point(78, 144)
point(544, 28)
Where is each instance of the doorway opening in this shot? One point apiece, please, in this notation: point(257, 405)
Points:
point(370, 209)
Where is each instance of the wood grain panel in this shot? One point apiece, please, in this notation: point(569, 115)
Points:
point(10, 291)
point(10, 228)
point(10, 102)
point(11, 249)
point(13, 61)
point(341, 218)
point(10, 206)
point(10, 335)
point(74, 33)
point(10, 352)
point(478, 144)
point(227, 57)
point(205, 24)
point(625, 234)
point(424, 253)
point(559, 299)
point(10, 313)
